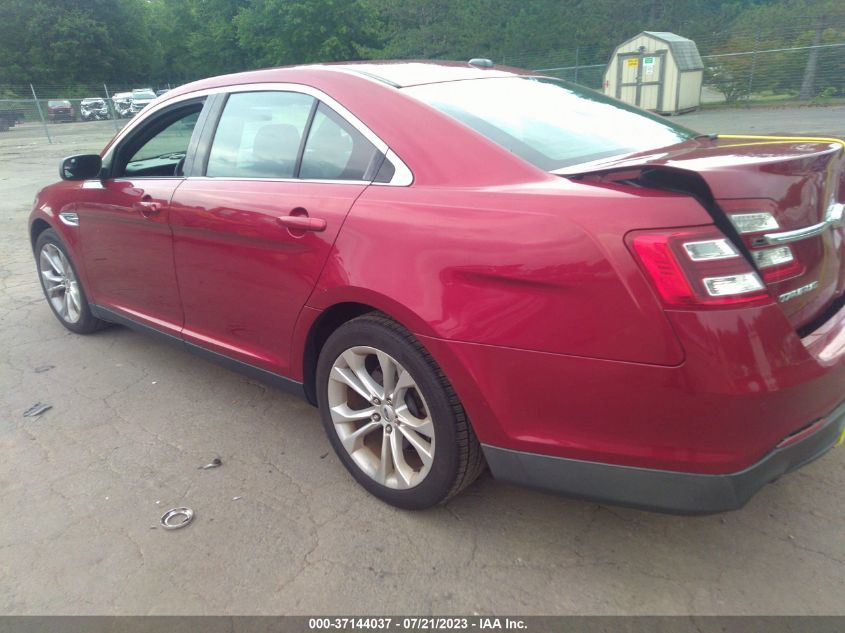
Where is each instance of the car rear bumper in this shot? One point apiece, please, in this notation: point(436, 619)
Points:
point(663, 490)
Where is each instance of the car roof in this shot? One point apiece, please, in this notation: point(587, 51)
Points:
point(398, 74)
point(414, 73)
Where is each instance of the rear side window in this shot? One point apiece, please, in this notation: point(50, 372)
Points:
point(337, 151)
point(259, 135)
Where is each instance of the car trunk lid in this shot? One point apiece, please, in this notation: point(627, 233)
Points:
point(784, 200)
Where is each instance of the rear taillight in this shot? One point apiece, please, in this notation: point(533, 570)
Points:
point(775, 264)
point(697, 267)
point(754, 222)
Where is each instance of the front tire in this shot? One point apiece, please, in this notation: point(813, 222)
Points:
point(62, 286)
point(392, 416)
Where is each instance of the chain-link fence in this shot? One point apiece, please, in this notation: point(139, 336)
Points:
point(45, 107)
point(802, 63)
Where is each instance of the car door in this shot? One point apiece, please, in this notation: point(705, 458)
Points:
point(254, 228)
point(124, 220)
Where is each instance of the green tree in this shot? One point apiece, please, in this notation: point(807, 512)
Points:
point(278, 32)
point(791, 24)
point(71, 41)
point(197, 38)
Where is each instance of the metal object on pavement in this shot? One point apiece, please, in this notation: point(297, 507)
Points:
point(170, 519)
point(37, 409)
point(215, 463)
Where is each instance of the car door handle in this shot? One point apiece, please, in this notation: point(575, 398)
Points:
point(302, 223)
point(148, 208)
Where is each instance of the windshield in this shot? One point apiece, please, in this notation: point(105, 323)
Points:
point(144, 94)
point(549, 123)
point(58, 104)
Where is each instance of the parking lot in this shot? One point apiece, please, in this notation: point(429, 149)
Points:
point(281, 528)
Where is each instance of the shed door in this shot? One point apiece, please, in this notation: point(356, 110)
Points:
point(627, 77)
point(640, 80)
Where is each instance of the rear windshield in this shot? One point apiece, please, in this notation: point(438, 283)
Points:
point(550, 124)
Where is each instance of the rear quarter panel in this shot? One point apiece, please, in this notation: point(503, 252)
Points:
point(538, 267)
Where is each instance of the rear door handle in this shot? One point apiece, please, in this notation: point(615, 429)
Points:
point(302, 223)
point(148, 208)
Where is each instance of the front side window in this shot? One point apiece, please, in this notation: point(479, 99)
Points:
point(335, 150)
point(259, 135)
point(161, 147)
point(548, 123)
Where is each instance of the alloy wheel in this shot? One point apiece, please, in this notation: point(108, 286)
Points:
point(381, 417)
point(60, 283)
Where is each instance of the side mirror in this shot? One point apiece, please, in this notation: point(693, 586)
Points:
point(80, 167)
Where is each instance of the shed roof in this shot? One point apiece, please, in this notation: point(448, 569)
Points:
point(683, 50)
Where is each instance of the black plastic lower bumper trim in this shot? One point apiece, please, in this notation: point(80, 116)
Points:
point(660, 490)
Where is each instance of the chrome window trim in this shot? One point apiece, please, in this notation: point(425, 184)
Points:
point(306, 180)
point(402, 176)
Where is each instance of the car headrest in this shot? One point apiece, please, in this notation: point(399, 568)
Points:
point(276, 143)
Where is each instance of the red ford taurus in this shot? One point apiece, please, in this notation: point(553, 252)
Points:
point(463, 265)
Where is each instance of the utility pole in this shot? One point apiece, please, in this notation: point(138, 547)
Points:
point(808, 84)
point(41, 114)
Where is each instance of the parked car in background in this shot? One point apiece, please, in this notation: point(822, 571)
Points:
point(122, 104)
point(94, 109)
point(141, 99)
point(9, 117)
point(60, 110)
point(162, 91)
point(594, 299)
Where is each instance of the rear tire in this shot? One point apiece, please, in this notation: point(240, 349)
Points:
point(408, 442)
point(62, 286)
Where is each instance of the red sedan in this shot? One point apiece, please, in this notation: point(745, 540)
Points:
point(464, 265)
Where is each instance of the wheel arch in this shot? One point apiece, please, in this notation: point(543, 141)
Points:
point(321, 329)
point(333, 310)
point(37, 227)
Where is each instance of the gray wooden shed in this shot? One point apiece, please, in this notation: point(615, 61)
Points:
point(657, 71)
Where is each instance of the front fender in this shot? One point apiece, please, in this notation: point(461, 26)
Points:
point(48, 204)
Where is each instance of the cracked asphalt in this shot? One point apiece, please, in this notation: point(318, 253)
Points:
point(84, 485)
